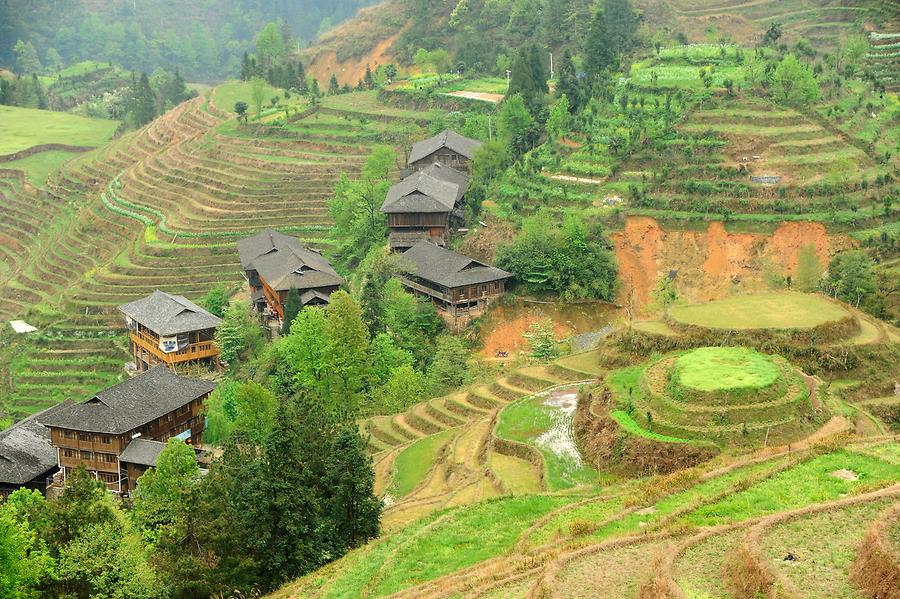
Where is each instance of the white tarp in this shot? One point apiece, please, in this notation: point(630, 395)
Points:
point(20, 326)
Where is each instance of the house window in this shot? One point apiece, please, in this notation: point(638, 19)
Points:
point(86, 455)
point(84, 437)
point(109, 477)
point(107, 439)
point(106, 457)
point(68, 435)
point(70, 453)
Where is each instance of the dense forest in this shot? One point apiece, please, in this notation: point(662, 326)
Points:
point(206, 40)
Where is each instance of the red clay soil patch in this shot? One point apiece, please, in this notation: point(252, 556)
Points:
point(504, 326)
point(351, 71)
point(710, 262)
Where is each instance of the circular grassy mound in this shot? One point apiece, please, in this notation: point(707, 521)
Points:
point(773, 311)
point(725, 369)
point(720, 395)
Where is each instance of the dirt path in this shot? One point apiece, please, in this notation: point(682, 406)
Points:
point(483, 96)
point(572, 179)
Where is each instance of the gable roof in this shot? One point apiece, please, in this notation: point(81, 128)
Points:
point(437, 188)
point(447, 268)
point(445, 139)
point(268, 241)
point(166, 314)
point(284, 262)
point(130, 404)
point(25, 450)
point(143, 452)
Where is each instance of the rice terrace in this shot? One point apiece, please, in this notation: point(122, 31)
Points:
point(462, 298)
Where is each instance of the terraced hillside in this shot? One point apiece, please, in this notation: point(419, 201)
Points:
point(160, 208)
point(477, 503)
point(822, 22)
point(693, 531)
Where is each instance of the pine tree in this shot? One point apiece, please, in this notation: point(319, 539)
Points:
point(334, 87)
point(538, 70)
point(246, 72)
point(143, 101)
point(39, 92)
point(292, 307)
point(599, 54)
point(352, 504)
point(314, 88)
point(368, 79)
point(525, 76)
point(300, 79)
point(567, 82)
point(620, 24)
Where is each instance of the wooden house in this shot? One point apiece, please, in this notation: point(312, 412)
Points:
point(171, 330)
point(425, 205)
point(457, 284)
point(275, 263)
point(98, 434)
point(447, 148)
point(27, 459)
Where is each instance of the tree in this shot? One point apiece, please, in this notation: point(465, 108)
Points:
point(84, 504)
point(405, 386)
point(809, 270)
point(541, 340)
point(620, 23)
point(53, 59)
point(161, 491)
point(238, 335)
point(664, 295)
point(794, 82)
point(107, 562)
point(143, 101)
point(355, 207)
point(851, 277)
point(387, 356)
point(216, 300)
point(528, 78)
point(26, 57)
point(773, 34)
point(352, 504)
point(255, 408)
point(368, 79)
point(270, 44)
point(599, 54)
point(558, 121)
point(292, 306)
point(567, 81)
point(449, 367)
point(258, 93)
point(574, 259)
point(26, 561)
point(334, 88)
point(515, 126)
point(240, 108)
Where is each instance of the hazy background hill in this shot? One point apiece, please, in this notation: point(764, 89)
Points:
point(205, 38)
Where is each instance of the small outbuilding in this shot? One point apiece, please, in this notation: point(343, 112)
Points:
point(448, 148)
point(458, 285)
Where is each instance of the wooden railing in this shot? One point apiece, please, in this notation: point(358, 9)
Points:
point(195, 351)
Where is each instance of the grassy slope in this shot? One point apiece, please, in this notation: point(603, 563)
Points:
point(22, 128)
point(767, 311)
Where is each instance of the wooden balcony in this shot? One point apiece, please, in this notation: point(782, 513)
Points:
point(445, 297)
point(194, 351)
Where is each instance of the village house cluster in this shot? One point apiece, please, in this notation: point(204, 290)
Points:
point(117, 434)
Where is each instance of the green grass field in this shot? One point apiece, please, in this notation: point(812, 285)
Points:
point(22, 128)
point(762, 311)
point(413, 463)
point(226, 95)
point(715, 368)
point(39, 166)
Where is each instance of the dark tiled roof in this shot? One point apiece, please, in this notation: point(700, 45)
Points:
point(310, 296)
point(166, 314)
point(130, 404)
point(25, 450)
point(285, 263)
point(270, 240)
point(142, 451)
point(434, 189)
point(447, 268)
point(449, 139)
